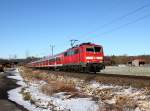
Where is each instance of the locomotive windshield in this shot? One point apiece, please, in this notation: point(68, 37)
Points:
point(93, 49)
point(97, 49)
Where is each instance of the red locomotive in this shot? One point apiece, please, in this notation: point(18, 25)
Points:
point(86, 57)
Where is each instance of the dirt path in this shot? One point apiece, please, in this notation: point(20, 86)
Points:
point(5, 85)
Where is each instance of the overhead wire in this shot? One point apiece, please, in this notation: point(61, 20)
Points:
point(126, 24)
point(118, 19)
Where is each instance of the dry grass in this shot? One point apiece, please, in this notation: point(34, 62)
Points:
point(58, 86)
point(55, 82)
point(125, 102)
point(27, 96)
point(30, 74)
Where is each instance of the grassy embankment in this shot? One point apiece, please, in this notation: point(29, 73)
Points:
point(54, 82)
point(60, 82)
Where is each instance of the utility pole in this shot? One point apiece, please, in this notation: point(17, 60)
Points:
point(73, 42)
point(52, 48)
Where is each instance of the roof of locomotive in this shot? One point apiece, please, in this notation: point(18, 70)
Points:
point(84, 44)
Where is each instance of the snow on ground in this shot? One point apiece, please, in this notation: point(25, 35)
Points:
point(60, 102)
point(15, 75)
point(113, 95)
point(43, 102)
point(16, 96)
point(94, 85)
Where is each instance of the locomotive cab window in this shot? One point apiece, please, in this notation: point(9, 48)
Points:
point(97, 49)
point(90, 49)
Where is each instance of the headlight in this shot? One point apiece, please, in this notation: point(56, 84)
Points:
point(99, 58)
point(89, 57)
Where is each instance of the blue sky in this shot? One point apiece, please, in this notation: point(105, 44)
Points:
point(31, 26)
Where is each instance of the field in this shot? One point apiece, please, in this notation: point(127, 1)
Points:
point(127, 70)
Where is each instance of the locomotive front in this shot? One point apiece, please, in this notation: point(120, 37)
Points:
point(93, 57)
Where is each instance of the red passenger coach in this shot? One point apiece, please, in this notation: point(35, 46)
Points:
point(86, 57)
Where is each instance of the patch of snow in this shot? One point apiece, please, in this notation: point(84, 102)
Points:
point(14, 95)
point(79, 104)
point(96, 85)
point(60, 101)
point(15, 75)
point(122, 65)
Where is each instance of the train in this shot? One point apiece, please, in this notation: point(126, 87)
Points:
point(85, 57)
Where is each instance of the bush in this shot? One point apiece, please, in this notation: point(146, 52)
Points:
point(27, 96)
point(57, 86)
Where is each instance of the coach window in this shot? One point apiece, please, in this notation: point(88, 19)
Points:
point(72, 52)
point(68, 53)
point(76, 51)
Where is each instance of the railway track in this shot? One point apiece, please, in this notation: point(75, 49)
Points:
point(117, 79)
point(104, 75)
